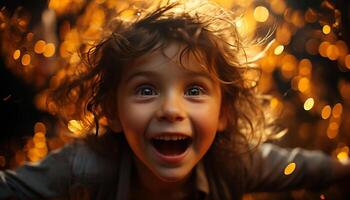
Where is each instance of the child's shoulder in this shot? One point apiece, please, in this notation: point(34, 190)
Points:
point(90, 159)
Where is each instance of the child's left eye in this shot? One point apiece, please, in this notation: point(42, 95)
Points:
point(194, 91)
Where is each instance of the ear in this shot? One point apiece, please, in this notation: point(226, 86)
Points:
point(222, 123)
point(114, 125)
point(109, 110)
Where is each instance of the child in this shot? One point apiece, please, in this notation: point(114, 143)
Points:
point(181, 119)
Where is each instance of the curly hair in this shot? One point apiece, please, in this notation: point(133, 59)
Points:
point(209, 35)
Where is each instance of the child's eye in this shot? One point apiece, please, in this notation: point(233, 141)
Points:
point(146, 90)
point(194, 91)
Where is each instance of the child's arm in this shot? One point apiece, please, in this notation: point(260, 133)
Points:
point(49, 178)
point(313, 169)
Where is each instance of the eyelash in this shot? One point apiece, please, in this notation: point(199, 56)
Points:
point(200, 90)
point(142, 88)
point(139, 90)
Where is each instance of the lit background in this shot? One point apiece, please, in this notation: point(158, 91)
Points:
point(306, 70)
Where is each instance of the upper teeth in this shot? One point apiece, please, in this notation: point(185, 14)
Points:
point(172, 137)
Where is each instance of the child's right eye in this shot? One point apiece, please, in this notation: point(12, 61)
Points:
point(146, 90)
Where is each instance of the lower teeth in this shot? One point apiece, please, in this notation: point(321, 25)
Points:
point(171, 147)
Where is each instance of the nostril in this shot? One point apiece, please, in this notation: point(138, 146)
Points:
point(170, 114)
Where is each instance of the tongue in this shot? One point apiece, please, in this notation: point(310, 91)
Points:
point(170, 148)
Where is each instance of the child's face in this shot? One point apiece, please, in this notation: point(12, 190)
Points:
point(169, 114)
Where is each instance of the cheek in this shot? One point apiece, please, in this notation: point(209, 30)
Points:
point(205, 123)
point(134, 117)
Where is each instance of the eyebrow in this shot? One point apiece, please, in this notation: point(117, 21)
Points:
point(142, 73)
point(155, 75)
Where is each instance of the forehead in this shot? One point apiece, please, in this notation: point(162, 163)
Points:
point(171, 54)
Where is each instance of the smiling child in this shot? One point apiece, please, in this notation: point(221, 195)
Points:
point(182, 123)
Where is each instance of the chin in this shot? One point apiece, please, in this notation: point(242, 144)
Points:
point(173, 175)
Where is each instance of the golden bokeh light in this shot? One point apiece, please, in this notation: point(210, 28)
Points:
point(261, 14)
point(337, 110)
point(310, 16)
point(332, 130)
point(278, 50)
point(39, 137)
point(297, 19)
point(309, 104)
point(278, 6)
point(26, 59)
point(304, 85)
point(326, 112)
point(290, 168)
point(30, 36)
point(343, 156)
point(305, 67)
point(326, 29)
point(332, 52)
point(323, 48)
point(347, 61)
point(342, 48)
point(344, 89)
point(49, 50)
point(16, 54)
point(39, 46)
point(289, 66)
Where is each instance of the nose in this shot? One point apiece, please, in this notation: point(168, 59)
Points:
point(171, 108)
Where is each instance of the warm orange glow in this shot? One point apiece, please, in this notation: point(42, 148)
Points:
point(309, 104)
point(261, 14)
point(49, 50)
point(326, 29)
point(326, 112)
point(26, 59)
point(39, 46)
point(16, 54)
point(289, 169)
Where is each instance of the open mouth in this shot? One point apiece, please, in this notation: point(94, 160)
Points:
point(171, 145)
